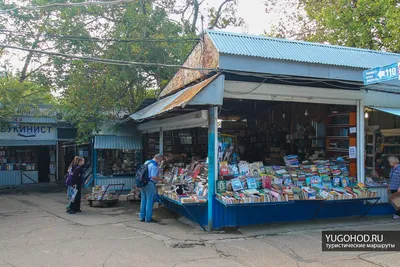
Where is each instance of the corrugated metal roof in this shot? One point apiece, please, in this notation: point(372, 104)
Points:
point(27, 142)
point(118, 142)
point(145, 103)
point(281, 49)
point(32, 119)
point(179, 99)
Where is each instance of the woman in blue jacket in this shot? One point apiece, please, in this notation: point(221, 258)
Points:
point(394, 183)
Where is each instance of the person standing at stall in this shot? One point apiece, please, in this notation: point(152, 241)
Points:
point(148, 192)
point(394, 183)
point(77, 172)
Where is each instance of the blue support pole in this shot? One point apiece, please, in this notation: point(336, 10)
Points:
point(212, 163)
point(161, 141)
point(95, 166)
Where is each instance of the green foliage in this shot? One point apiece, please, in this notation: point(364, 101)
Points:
point(370, 24)
point(96, 91)
point(92, 92)
point(19, 95)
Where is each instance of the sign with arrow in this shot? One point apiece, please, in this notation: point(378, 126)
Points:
point(380, 74)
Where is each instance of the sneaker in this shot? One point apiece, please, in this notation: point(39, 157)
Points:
point(72, 212)
point(142, 220)
point(152, 221)
point(395, 216)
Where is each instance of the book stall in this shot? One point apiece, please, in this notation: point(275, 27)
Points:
point(270, 170)
point(243, 184)
point(116, 159)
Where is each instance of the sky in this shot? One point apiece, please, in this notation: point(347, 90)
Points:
point(253, 13)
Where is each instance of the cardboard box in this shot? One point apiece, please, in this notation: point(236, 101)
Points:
point(394, 199)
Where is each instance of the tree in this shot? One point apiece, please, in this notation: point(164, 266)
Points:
point(370, 24)
point(39, 29)
point(19, 95)
point(95, 91)
point(190, 12)
point(91, 91)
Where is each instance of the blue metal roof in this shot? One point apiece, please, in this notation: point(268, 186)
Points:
point(118, 142)
point(394, 111)
point(281, 49)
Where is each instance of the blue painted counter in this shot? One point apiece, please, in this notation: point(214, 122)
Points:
point(238, 215)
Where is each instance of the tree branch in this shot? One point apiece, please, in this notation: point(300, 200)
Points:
point(218, 15)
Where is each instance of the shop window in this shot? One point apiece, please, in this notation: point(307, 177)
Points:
point(117, 162)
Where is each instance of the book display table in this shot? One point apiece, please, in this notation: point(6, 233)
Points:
point(237, 215)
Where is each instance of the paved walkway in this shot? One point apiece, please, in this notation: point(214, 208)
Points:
point(35, 231)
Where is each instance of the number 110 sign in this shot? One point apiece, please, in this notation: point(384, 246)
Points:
point(381, 74)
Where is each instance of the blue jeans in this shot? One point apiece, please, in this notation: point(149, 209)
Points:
point(147, 197)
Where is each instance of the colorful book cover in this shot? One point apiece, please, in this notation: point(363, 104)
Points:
point(251, 183)
point(237, 184)
point(221, 186)
point(223, 168)
point(267, 181)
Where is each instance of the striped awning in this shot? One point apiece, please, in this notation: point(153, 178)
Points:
point(118, 142)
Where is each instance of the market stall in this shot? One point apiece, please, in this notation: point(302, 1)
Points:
point(282, 144)
point(116, 159)
point(27, 160)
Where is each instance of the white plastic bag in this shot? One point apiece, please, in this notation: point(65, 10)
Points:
point(74, 191)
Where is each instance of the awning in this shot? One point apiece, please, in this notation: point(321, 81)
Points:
point(117, 142)
point(394, 111)
point(28, 142)
point(207, 92)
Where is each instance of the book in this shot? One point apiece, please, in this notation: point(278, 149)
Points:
point(223, 168)
point(237, 184)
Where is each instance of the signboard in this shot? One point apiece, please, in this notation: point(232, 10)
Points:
point(28, 132)
point(352, 152)
point(381, 74)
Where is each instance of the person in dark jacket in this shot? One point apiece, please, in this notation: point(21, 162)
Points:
point(77, 170)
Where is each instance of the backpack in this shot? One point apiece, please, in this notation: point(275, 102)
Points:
point(142, 175)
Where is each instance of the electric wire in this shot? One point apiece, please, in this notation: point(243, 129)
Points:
point(81, 4)
point(106, 61)
point(95, 39)
point(289, 79)
point(129, 63)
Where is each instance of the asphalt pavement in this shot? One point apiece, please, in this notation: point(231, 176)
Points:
point(36, 231)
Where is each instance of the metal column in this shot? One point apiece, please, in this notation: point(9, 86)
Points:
point(360, 142)
point(161, 141)
point(95, 166)
point(56, 178)
point(212, 162)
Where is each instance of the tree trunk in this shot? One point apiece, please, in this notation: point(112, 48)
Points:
point(195, 15)
point(27, 62)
